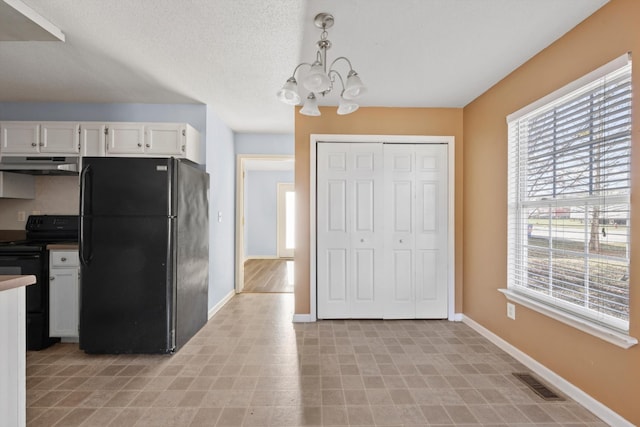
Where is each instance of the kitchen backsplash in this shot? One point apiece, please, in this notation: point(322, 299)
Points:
point(54, 195)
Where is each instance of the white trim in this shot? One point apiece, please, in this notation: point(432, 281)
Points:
point(599, 409)
point(262, 257)
point(240, 170)
point(37, 19)
point(610, 67)
point(458, 317)
point(221, 303)
point(389, 139)
point(303, 318)
point(617, 338)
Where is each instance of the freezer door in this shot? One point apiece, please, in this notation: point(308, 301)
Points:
point(126, 186)
point(127, 285)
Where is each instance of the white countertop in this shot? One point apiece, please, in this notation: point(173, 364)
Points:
point(10, 282)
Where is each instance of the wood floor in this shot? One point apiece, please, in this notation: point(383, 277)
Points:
point(268, 275)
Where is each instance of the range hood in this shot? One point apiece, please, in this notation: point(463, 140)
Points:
point(57, 165)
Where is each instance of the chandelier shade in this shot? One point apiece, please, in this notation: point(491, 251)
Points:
point(320, 78)
point(289, 92)
point(310, 107)
point(346, 106)
point(316, 79)
point(354, 87)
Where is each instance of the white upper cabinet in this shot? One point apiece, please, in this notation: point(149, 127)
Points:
point(92, 139)
point(46, 138)
point(97, 139)
point(125, 139)
point(153, 140)
point(165, 139)
point(20, 138)
point(59, 137)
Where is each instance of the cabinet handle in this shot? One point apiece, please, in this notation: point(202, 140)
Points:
point(361, 240)
point(139, 144)
point(52, 278)
point(147, 145)
point(33, 144)
point(400, 240)
point(63, 259)
point(42, 144)
point(182, 148)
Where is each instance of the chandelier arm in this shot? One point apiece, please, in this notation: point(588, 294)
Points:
point(295, 70)
point(339, 76)
point(338, 58)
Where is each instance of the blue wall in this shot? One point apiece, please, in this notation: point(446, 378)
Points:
point(264, 143)
point(261, 211)
point(221, 167)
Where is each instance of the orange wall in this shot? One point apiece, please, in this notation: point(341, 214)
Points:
point(369, 121)
point(606, 372)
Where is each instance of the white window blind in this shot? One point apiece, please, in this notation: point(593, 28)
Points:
point(569, 191)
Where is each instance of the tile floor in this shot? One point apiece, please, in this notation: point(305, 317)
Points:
point(250, 366)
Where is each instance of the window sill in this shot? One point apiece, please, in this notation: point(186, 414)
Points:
point(609, 335)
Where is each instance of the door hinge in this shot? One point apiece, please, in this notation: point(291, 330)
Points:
point(106, 130)
point(184, 132)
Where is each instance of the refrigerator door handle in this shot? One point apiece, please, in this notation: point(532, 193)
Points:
point(85, 199)
point(85, 241)
point(85, 191)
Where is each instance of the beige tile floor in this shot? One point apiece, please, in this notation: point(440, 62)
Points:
point(250, 366)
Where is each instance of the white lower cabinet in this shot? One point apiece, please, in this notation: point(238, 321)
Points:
point(64, 294)
point(12, 358)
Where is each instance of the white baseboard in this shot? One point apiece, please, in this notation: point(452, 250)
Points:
point(457, 317)
point(596, 407)
point(261, 257)
point(221, 303)
point(303, 318)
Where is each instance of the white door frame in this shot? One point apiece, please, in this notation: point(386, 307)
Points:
point(314, 139)
point(241, 160)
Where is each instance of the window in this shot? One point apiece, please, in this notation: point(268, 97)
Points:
point(569, 191)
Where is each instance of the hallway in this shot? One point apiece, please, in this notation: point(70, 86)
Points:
point(250, 366)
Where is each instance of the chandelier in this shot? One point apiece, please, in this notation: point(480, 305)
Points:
point(320, 79)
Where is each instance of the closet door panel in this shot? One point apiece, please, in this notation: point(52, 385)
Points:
point(431, 236)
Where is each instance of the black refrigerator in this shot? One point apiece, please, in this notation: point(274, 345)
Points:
point(144, 254)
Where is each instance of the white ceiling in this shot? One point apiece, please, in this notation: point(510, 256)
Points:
point(235, 54)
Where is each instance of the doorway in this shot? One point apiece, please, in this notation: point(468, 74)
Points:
point(260, 265)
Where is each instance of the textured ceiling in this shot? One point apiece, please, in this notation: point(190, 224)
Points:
point(234, 55)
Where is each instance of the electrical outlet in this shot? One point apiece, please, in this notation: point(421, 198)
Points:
point(21, 216)
point(511, 311)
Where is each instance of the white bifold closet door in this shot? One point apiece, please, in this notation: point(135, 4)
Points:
point(415, 231)
point(350, 262)
point(382, 230)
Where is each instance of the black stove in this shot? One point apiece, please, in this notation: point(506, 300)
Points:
point(30, 256)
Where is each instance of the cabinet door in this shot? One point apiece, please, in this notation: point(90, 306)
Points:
point(63, 302)
point(165, 139)
point(20, 137)
point(59, 137)
point(92, 139)
point(125, 138)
